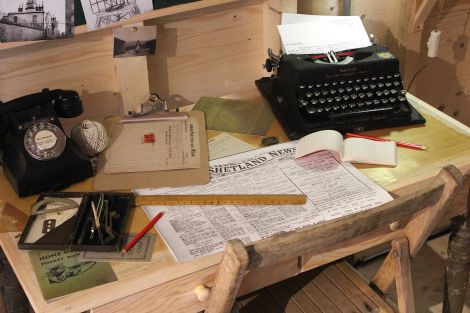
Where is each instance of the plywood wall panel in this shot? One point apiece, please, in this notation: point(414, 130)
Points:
point(323, 7)
point(210, 55)
point(83, 63)
point(375, 15)
point(445, 82)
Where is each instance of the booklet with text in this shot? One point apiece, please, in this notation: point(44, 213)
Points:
point(354, 150)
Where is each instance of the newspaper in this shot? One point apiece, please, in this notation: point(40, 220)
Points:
point(333, 188)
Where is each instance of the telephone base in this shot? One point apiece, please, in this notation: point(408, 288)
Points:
point(36, 176)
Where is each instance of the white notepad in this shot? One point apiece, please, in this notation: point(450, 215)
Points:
point(354, 150)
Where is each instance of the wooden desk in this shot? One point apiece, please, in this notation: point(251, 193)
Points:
point(166, 286)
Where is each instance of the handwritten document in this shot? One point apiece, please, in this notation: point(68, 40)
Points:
point(153, 146)
point(311, 34)
point(333, 188)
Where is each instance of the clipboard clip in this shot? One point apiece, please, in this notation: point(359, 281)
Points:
point(153, 104)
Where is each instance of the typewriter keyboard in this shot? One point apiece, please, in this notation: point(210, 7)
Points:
point(357, 97)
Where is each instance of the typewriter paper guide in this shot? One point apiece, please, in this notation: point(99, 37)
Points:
point(322, 34)
point(355, 150)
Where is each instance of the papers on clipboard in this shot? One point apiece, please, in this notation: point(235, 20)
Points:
point(153, 146)
point(312, 34)
point(170, 177)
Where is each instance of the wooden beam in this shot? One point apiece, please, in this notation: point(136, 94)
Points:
point(231, 271)
point(133, 79)
point(401, 255)
point(422, 8)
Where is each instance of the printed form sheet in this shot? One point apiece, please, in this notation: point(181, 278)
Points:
point(333, 188)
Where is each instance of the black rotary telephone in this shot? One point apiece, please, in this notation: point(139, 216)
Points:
point(37, 155)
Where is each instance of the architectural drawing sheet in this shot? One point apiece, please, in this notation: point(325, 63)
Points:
point(333, 188)
point(100, 13)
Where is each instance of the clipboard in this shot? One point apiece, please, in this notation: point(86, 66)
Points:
point(157, 179)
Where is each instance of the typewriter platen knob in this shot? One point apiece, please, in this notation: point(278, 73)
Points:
point(268, 65)
point(272, 61)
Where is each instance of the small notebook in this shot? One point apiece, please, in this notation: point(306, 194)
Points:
point(354, 150)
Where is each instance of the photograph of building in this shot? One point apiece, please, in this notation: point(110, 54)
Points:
point(134, 41)
point(24, 20)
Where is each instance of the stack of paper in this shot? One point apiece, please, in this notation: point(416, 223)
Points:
point(313, 34)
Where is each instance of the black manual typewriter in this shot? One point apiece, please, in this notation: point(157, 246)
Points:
point(349, 91)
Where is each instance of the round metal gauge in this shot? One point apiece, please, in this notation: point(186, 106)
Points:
point(44, 141)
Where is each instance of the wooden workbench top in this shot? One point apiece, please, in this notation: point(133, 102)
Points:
point(447, 140)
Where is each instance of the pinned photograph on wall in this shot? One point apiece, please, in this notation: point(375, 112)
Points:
point(134, 41)
point(100, 13)
point(27, 20)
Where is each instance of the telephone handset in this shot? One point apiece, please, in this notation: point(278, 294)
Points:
point(37, 154)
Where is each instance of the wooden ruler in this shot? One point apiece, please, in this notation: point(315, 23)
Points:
point(220, 199)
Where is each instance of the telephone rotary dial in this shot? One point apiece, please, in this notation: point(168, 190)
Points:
point(37, 155)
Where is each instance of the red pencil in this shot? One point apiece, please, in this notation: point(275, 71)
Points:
point(141, 233)
point(398, 143)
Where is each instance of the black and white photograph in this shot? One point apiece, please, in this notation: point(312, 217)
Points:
point(27, 20)
point(134, 41)
point(100, 13)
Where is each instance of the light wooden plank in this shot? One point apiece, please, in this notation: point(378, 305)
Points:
point(132, 77)
point(349, 247)
point(422, 223)
point(317, 238)
point(231, 271)
point(81, 64)
point(350, 290)
point(216, 54)
point(172, 11)
point(304, 281)
point(385, 274)
point(355, 277)
point(150, 279)
point(175, 297)
point(334, 294)
point(269, 275)
point(192, 7)
point(444, 118)
point(422, 10)
point(401, 254)
point(12, 219)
